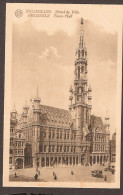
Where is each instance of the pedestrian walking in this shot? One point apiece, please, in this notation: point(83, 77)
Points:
point(53, 173)
point(55, 177)
point(15, 175)
point(72, 172)
point(105, 178)
point(38, 172)
point(36, 176)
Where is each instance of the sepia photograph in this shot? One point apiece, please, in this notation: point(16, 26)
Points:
point(62, 105)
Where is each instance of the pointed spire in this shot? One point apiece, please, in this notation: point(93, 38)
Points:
point(81, 27)
point(70, 90)
point(107, 116)
point(90, 89)
point(81, 33)
point(37, 95)
point(25, 106)
point(14, 108)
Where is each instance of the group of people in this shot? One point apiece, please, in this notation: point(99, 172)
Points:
point(54, 175)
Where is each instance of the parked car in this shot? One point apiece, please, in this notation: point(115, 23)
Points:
point(112, 169)
point(97, 173)
point(87, 164)
point(100, 175)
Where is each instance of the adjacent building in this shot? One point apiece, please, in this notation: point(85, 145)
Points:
point(113, 148)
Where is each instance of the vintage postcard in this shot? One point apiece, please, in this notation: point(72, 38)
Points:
point(62, 117)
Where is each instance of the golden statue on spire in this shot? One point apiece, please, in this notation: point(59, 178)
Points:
point(82, 21)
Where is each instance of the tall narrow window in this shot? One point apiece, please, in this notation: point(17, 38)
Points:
point(49, 148)
point(64, 148)
point(60, 134)
point(50, 134)
point(60, 148)
point(82, 69)
point(44, 148)
point(86, 116)
point(78, 72)
point(10, 160)
point(82, 53)
point(78, 54)
point(53, 134)
point(64, 135)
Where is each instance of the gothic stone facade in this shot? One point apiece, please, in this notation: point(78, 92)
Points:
point(113, 148)
point(46, 136)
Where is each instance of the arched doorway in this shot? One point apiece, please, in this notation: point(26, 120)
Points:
point(66, 160)
point(47, 161)
point(59, 160)
point(94, 159)
point(51, 161)
point(19, 163)
point(82, 160)
point(90, 160)
point(77, 160)
point(55, 160)
point(97, 159)
point(70, 160)
point(63, 160)
point(43, 162)
point(73, 160)
point(28, 156)
point(100, 159)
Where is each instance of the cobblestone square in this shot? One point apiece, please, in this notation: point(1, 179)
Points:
point(80, 173)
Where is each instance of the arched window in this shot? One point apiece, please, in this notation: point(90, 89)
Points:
point(83, 53)
point(60, 134)
point(11, 151)
point(82, 69)
point(11, 129)
point(41, 149)
point(60, 148)
point(11, 141)
point(78, 72)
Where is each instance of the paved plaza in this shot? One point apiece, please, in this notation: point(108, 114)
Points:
point(80, 173)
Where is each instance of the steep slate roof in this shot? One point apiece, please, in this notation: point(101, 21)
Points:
point(97, 124)
point(55, 116)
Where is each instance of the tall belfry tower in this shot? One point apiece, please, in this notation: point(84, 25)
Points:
point(80, 97)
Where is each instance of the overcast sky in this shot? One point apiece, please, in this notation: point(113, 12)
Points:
point(43, 55)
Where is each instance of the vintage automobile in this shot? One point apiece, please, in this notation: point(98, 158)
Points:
point(106, 169)
point(97, 173)
point(87, 164)
point(100, 175)
point(112, 168)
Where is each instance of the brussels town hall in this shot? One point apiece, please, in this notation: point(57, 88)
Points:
point(44, 136)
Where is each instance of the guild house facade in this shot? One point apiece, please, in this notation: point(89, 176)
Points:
point(43, 136)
